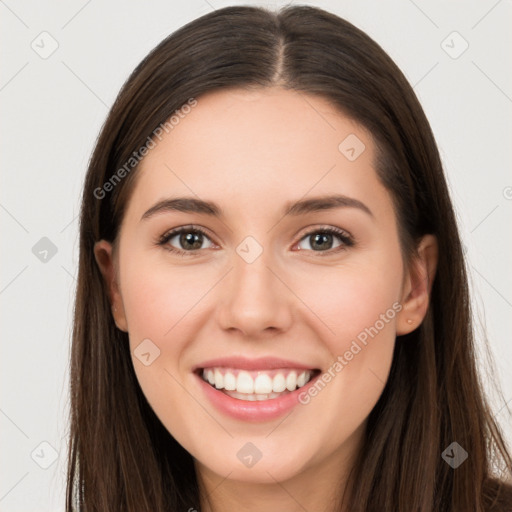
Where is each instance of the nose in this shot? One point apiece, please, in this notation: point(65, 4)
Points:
point(254, 300)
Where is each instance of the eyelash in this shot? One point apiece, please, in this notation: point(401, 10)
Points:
point(345, 238)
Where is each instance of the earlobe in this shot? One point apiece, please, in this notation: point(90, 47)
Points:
point(418, 286)
point(103, 253)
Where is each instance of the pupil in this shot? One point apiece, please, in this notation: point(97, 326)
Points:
point(189, 239)
point(324, 237)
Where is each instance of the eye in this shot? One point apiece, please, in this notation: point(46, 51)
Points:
point(321, 240)
point(189, 239)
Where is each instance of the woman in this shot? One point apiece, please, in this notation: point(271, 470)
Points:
point(272, 308)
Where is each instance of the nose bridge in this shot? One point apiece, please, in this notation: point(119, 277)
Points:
point(253, 299)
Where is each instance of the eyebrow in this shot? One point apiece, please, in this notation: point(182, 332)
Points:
point(302, 207)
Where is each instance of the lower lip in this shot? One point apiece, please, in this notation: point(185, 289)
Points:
point(259, 410)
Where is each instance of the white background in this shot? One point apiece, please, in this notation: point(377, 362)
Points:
point(52, 110)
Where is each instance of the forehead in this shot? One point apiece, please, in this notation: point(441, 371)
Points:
point(259, 147)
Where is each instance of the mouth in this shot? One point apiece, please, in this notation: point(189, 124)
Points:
point(256, 385)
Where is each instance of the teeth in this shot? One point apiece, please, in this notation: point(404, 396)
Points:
point(301, 379)
point(253, 397)
point(259, 385)
point(219, 379)
point(263, 384)
point(244, 383)
point(279, 383)
point(229, 382)
point(291, 381)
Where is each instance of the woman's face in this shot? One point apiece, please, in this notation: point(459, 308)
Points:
point(265, 285)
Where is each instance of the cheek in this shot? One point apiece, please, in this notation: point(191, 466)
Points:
point(158, 305)
point(156, 298)
point(356, 307)
point(352, 298)
point(165, 304)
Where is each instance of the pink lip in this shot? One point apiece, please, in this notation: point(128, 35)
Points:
point(243, 363)
point(263, 410)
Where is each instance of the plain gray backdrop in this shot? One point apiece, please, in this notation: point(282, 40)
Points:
point(62, 67)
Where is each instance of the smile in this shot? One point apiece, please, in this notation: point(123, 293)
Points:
point(256, 385)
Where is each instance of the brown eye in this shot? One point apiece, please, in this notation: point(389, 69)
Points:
point(190, 240)
point(323, 240)
point(184, 240)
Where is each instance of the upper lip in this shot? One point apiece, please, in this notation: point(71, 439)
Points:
point(243, 363)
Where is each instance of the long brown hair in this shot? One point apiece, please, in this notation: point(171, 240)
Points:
point(121, 457)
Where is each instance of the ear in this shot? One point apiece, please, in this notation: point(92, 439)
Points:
point(417, 286)
point(103, 252)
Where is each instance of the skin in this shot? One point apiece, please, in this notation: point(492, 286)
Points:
point(251, 153)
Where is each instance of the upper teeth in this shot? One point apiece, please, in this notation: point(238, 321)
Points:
point(260, 382)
